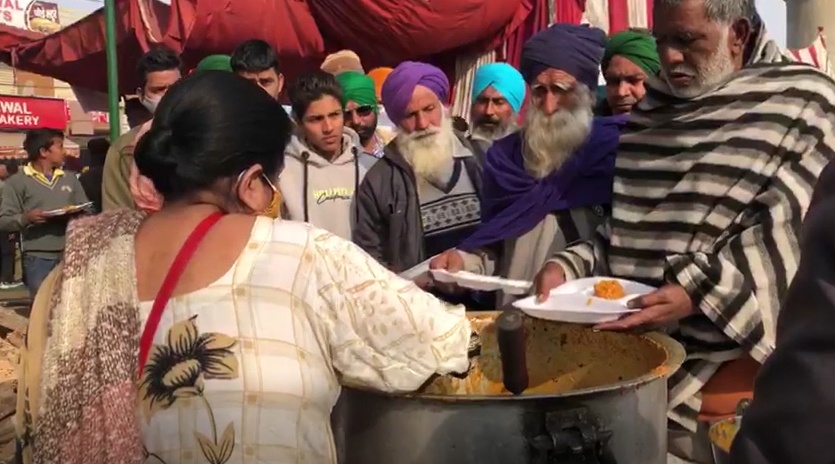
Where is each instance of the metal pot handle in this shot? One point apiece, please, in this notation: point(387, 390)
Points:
point(570, 438)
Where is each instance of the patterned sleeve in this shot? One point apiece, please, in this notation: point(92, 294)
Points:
point(384, 332)
point(585, 258)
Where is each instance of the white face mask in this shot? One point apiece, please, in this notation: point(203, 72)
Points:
point(150, 103)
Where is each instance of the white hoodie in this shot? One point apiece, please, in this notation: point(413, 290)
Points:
point(319, 191)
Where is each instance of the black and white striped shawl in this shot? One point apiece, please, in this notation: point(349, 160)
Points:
point(709, 194)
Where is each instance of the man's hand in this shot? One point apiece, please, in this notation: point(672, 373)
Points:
point(549, 277)
point(34, 216)
point(669, 303)
point(424, 281)
point(450, 261)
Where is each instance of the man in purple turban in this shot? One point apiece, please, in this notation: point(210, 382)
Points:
point(550, 183)
point(423, 196)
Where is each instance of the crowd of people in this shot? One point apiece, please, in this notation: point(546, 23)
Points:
point(246, 260)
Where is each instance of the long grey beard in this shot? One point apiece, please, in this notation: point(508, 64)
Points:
point(551, 139)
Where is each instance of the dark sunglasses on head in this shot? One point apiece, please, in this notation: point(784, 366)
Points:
point(362, 111)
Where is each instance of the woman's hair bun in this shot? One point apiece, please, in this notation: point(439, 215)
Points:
point(155, 146)
point(156, 157)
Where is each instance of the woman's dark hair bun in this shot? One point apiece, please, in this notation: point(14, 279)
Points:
point(209, 126)
point(156, 143)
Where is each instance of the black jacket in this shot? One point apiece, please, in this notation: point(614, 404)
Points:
point(790, 420)
point(389, 225)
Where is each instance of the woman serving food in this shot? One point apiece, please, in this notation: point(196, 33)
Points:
point(211, 326)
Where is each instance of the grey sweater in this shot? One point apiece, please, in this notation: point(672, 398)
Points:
point(25, 191)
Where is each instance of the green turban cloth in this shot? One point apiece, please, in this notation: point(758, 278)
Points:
point(358, 88)
point(215, 63)
point(637, 47)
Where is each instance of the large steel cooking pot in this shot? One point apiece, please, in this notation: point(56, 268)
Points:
point(594, 397)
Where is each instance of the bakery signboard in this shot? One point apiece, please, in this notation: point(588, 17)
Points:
point(33, 15)
point(22, 113)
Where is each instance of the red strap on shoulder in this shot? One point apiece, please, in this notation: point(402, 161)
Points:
point(167, 289)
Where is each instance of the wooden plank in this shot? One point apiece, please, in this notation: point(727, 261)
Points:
point(14, 321)
point(15, 339)
point(8, 397)
point(7, 430)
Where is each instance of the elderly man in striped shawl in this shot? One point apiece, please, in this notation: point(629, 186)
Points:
point(713, 177)
point(550, 183)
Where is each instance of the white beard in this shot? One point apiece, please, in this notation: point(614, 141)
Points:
point(493, 133)
point(715, 69)
point(430, 152)
point(551, 139)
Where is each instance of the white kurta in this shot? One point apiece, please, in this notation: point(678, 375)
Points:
point(245, 369)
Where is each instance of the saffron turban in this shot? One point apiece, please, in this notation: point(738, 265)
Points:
point(357, 87)
point(637, 47)
point(574, 49)
point(400, 85)
point(505, 79)
point(379, 76)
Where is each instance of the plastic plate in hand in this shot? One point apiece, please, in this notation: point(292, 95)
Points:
point(480, 282)
point(575, 302)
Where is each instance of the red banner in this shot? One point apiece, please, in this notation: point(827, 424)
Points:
point(31, 113)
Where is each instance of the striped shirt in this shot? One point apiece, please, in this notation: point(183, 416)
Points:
point(709, 194)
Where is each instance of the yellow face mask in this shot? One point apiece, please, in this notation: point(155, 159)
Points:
point(273, 210)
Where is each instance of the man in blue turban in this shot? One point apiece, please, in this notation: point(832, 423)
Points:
point(498, 94)
point(550, 183)
point(423, 196)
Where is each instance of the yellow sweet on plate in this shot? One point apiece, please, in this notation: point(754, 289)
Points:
point(609, 289)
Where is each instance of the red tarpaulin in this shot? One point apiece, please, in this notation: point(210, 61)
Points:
point(385, 32)
point(10, 36)
point(380, 31)
point(76, 54)
point(201, 27)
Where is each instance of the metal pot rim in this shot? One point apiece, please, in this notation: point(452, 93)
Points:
point(675, 357)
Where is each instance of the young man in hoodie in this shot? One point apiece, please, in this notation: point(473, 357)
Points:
point(324, 163)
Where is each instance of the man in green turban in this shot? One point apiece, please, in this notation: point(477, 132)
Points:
point(215, 63)
point(630, 57)
point(359, 101)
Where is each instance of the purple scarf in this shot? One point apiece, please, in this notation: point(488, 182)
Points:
point(514, 202)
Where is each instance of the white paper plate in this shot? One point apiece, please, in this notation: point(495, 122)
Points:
point(574, 302)
point(417, 270)
point(68, 210)
point(483, 283)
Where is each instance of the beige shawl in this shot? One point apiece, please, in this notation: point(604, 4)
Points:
point(77, 395)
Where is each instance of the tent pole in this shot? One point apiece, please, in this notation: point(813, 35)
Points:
point(112, 68)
